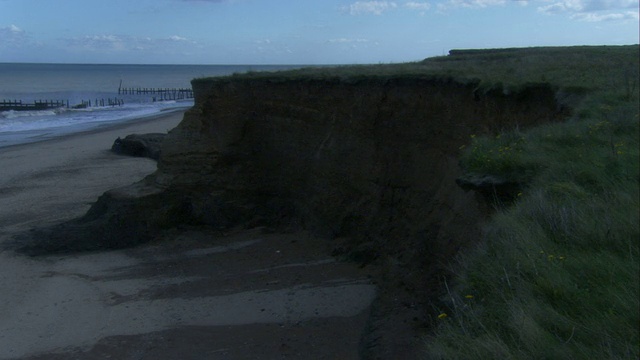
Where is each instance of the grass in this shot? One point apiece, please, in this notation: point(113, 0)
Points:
point(557, 274)
point(572, 69)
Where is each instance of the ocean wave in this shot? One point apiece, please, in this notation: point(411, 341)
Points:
point(12, 114)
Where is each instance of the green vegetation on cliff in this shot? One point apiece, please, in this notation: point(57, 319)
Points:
point(556, 275)
point(573, 69)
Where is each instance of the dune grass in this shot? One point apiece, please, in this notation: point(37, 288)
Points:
point(557, 273)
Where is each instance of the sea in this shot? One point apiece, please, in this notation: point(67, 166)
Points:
point(77, 84)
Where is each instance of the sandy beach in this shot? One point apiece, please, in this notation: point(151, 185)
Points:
point(193, 295)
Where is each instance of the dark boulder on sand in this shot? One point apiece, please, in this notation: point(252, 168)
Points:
point(141, 145)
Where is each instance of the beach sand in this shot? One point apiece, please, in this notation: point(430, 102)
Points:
point(193, 295)
point(54, 180)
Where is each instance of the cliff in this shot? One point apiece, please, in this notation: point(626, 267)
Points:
point(373, 159)
point(370, 163)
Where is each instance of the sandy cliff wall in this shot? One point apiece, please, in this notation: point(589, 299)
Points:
point(372, 159)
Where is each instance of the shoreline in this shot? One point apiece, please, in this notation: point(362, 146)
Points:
point(57, 179)
point(107, 126)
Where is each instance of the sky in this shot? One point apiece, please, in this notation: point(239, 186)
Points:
point(308, 32)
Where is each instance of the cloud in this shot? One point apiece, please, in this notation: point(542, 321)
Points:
point(123, 43)
point(100, 42)
point(588, 5)
point(347, 41)
point(13, 29)
point(414, 5)
point(380, 7)
point(11, 32)
point(595, 17)
point(268, 48)
point(474, 3)
point(13, 36)
point(598, 5)
point(477, 4)
point(351, 44)
point(371, 7)
point(177, 38)
point(421, 7)
point(594, 10)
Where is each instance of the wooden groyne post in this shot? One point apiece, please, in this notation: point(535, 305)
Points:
point(164, 93)
point(18, 105)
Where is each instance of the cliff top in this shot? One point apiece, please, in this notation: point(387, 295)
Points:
point(576, 68)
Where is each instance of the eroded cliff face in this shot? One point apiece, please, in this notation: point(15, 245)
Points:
point(370, 162)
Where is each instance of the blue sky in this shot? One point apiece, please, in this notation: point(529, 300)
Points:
point(298, 31)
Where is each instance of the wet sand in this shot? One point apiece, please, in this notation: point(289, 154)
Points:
point(195, 294)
